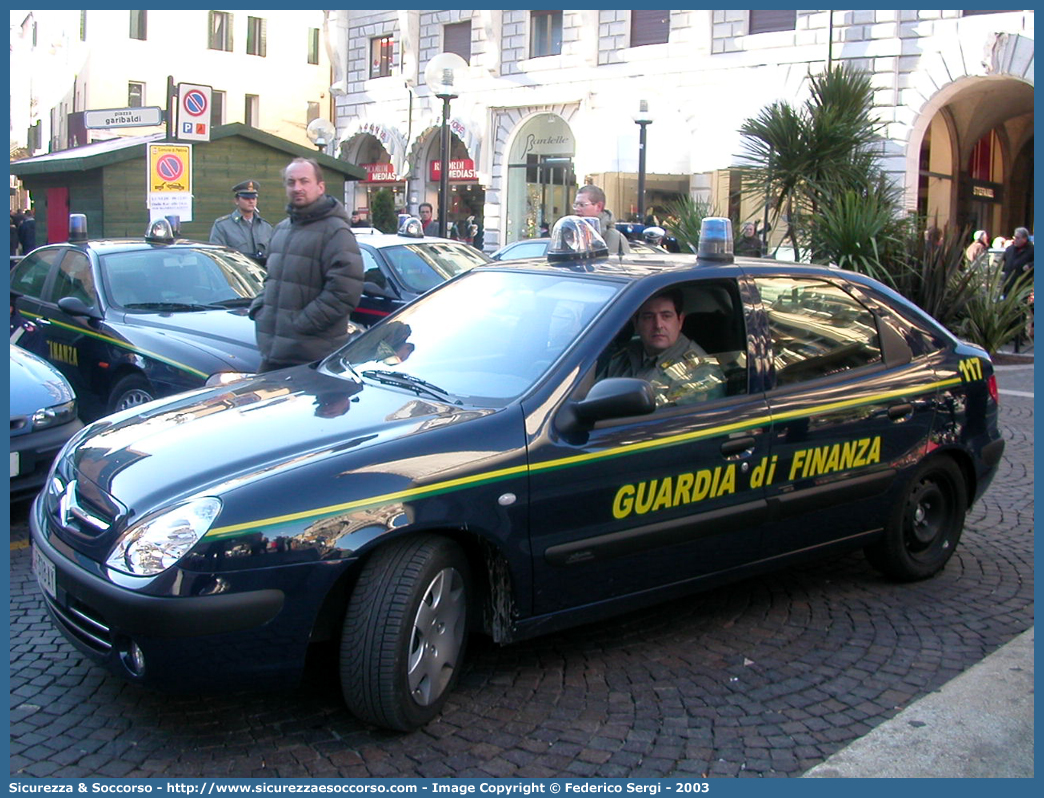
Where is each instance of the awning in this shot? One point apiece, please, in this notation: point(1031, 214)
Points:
point(390, 137)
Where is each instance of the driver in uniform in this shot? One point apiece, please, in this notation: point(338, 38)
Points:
point(680, 372)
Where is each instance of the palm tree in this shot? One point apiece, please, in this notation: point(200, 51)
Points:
point(801, 158)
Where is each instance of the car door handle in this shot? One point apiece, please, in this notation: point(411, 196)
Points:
point(897, 412)
point(742, 446)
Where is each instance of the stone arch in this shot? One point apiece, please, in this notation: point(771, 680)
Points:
point(982, 88)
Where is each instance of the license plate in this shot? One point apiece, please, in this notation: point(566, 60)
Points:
point(14, 464)
point(44, 570)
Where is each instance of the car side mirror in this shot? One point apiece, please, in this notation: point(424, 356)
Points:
point(74, 306)
point(615, 397)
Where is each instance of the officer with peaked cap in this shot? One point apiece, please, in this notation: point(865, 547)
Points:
point(244, 229)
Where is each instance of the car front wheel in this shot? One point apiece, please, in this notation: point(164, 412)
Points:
point(925, 527)
point(130, 391)
point(404, 632)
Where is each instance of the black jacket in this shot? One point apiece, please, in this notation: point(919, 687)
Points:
point(315, 277)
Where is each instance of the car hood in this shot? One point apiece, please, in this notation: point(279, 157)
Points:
point(225, 334)
point(35, 384)
point(216, 440)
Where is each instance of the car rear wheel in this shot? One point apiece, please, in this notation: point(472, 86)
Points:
point(130, 391)
point(925, 527)
point(404, 632)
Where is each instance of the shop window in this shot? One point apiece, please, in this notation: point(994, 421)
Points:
point(381, 56)
point(138, 25)
point(650, 27)
point(765, 20)
point(545, 33)
point(984, 155)
point(456, 38)
point(220, 31)
point(313, 45)
point(257, 29)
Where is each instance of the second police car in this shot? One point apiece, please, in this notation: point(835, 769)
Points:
point(399, 267)
point(468, 466)
point(130, 320)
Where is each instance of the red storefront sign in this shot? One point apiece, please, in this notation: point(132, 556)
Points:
point(380, 173)
point(462, 169)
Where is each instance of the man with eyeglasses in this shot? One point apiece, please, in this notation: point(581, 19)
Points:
point(590, 202)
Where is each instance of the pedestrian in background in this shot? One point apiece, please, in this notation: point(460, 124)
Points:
point(979, 246)
point(27, 231)
point(748, 244)
point(1018, 258)
point(590, 203)
point(315, 275)
point(244, 229)
point(431, 227)
point(16, 219)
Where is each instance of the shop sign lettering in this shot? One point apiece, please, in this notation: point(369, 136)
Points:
point(460, 169)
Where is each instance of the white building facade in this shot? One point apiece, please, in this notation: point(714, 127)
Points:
point(268, 69)
point(548, 103)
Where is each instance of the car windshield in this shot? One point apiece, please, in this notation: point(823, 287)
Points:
point(180, 278)
point(483, 339)
point(423, 265)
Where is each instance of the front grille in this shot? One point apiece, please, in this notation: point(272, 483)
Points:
point(84, 624)
point(85, 517)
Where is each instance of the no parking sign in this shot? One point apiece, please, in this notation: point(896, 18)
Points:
point(193, 112)
point(170, 180)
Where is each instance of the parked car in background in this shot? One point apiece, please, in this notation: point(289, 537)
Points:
point(477, 462)
point(537, 248)
point(130, 320)
point(399, 267)
point(43, 418)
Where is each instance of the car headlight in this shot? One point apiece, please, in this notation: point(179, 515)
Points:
point(160, 540)
point(223, 378)
point(54, 416)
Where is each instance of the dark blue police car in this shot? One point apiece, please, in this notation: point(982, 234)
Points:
point(479, 462)
point(399, 267)
point(130, 320)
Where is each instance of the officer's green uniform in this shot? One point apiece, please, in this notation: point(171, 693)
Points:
point(683, 374)
point(250, 238)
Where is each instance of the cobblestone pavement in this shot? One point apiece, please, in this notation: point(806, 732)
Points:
point(764, 678)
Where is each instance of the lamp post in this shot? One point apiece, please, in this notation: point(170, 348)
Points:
point(440, 77)
point(643, 119)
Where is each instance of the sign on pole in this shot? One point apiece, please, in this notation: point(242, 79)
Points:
point(194, 112)
point(170, 180)
point(123, 117)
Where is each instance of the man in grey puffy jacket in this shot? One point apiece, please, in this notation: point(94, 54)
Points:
point(315, 275)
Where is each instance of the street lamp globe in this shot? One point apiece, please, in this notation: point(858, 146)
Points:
point(320, 132)
point(442, 76)
point(443, 73)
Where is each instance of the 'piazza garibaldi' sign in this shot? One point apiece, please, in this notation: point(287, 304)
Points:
point(123, 117)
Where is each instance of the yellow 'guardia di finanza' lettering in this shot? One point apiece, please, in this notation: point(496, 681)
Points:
point(663, 494)
point(838, 457)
